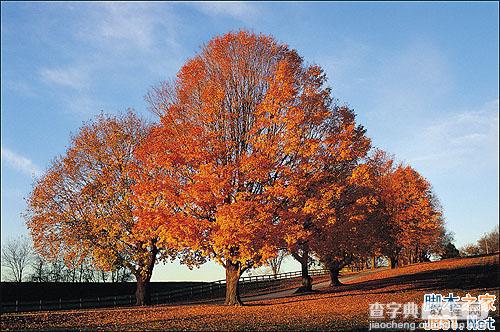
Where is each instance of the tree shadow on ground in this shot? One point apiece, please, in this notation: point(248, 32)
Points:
point(463, 278)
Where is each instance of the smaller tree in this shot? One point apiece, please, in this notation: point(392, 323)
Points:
point(82, 206)
point(39, 269)
point(444, 247)
point(470, 250)
point(346, 236)
point(16, 257)
point(413, 215)
point(489, 242)
point(275, 262)
point(450, 251)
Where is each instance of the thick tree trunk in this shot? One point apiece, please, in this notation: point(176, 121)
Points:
point(142, 294)
point(233, 273)
point(143, 276)
point(334, 277)
point(394, 262)
point(304, 260)
point(306, 278)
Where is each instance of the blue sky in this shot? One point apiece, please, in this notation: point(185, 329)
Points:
point(422, 77)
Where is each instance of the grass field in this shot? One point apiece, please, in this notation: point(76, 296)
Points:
point(342, 308)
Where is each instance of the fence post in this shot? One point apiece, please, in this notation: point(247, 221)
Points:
point(114, 301)
point(80, 303)
point(98, 301)
point(60, 304)
point(40, 304)
point(17, 305)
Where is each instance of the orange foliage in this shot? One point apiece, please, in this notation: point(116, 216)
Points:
point(409, 211)
point(82, 206)
point(251, 155)
point(248, 133)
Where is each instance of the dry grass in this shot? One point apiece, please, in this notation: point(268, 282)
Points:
point(343, 308)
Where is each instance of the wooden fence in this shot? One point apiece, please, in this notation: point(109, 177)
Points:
point(212, 290)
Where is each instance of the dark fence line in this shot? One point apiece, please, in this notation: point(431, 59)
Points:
point(53, 291)
point(213, 289)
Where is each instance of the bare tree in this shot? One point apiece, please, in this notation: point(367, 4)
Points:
point(488, 243)
point(39, 269)
point(275, 263)
point(16, 257)
point(160, 97)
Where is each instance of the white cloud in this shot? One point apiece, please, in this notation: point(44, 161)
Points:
point(469, 127)
point(73, 77)
point(127, 25)
point(115, 40)
point(124, 37)
point(464, 140)
point(81, 104)
point(20, 87)
point(139, 26)
point(402, 86)
point(20, 163)
point(242, 11)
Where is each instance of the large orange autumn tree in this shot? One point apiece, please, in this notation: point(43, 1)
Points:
point(380, 209)
point(408, 216)
point(414, 215)
point(322, 187)
point(349, 230)
point(243, 127)
point(82, 206)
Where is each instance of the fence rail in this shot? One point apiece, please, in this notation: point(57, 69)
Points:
point(213, 289)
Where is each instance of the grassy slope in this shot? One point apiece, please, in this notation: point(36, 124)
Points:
point(343, 308)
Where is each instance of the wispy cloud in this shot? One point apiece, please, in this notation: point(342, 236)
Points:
point(402, 85)
point(112, 42)
point(20, 163)
point(73, 77)
point(465, 139)
point(20, 87)
point(127, 25)
point(242, 11)
point(82, 104)
point(413, 80)
point(141, 27)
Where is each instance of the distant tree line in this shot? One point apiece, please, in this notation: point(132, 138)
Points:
point(20, 263)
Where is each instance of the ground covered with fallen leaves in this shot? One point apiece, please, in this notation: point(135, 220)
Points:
point(343, 308)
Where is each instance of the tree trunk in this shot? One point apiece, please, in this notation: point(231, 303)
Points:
point(143, 276)
point(334, 277)
point(306, 278)
point(142, 295)
point(304, 260)
point(374, 262)
point(233, 273)
point(394, 262)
